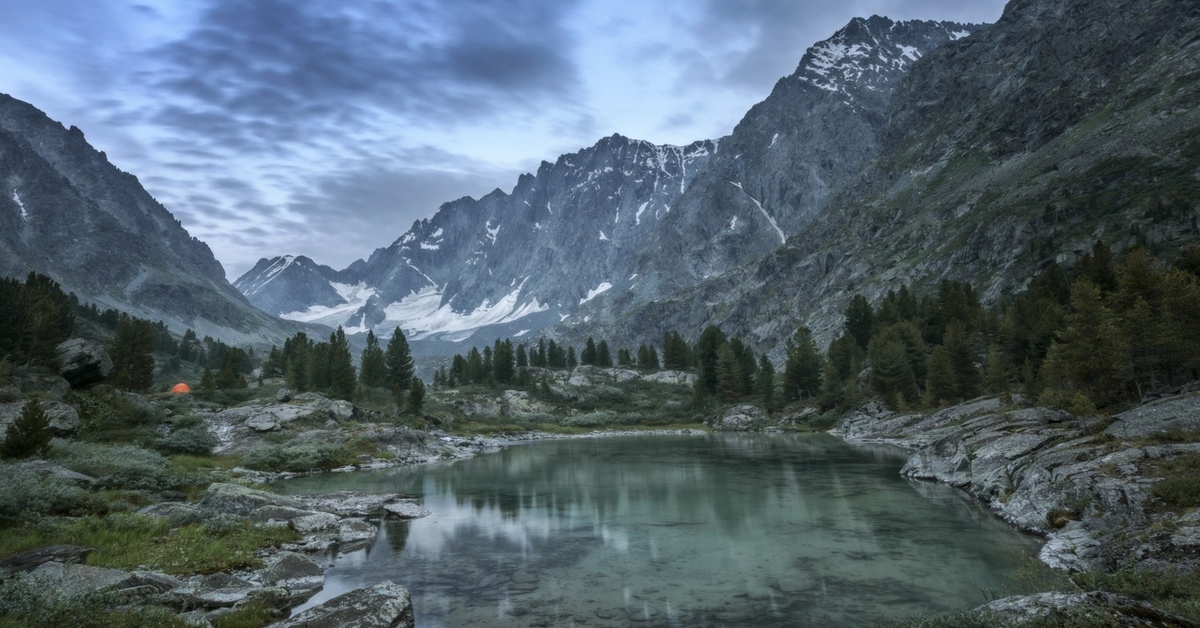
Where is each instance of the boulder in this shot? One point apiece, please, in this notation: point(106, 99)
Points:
point(355, 532)
point(740, 419)
point(350, 503)
point(64, 419)
point(270, 513)
point(219, 590)
point(284, 395)
point(315, 522)
point(172, 511)
point(73, 579)
point(28, 561)
point(678, 378)
point(236, 499)
point(300, 575)
point(84, 362)
point(385, 605)
point(49, 469)
point(406, 509)
point(51, 386)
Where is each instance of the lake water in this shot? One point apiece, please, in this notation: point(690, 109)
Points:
point(705, 530)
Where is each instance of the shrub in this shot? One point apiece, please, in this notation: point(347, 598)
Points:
point(24, 493)
point(29, 435)
point(196, 441)
point(1181, 491)
point(107, 415)
point(124, 466)
point(297, 457)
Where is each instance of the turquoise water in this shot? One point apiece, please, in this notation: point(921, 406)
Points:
point(708, 530)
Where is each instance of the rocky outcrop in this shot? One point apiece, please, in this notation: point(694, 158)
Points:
point(385, 605)
point(237, 428)
point(1047, 472)
point(64, 418)
point(1093, 608)
point(84, 362)
point(32, 559)
point(740, 418)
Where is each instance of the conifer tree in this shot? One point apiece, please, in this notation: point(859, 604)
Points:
point(503, 359)
point(729, 376)
point(858, 320)
point(707, 347)
point(398, 363)
point(765, 384)
point(1090, 355)
point(891, 370)
point(624, 358)
point(941, 382)
point(206, 380)
point(372, 363)
point(571, 361)
point(676, 355)
point(522, 357)
point(342, 378)
point(603, 357)
point(416, 396)
point(28, 435)
point(962, 357)
point(47, 319)
point(588, 355)
point(132, 353)
point(802, 369)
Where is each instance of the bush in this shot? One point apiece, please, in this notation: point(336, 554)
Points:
point(29, 435)
point(24, 493)
point(1181, 491)
point(107, 415)
point(124, 466)
point(297, 457)
point(195, 441)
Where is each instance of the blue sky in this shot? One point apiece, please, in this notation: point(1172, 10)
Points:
point(275, 127)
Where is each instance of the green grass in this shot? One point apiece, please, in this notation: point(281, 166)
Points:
point(130, 541)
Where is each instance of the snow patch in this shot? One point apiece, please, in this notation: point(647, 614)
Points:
point(599, 290)
point(424, 316)
point(733, 224)
point(437, 234)
point(637, 218)
point(355, 296)
point(521, 333)
point(430, 247)
point(782, 237)
point(603, 238)
point(774, 139)
point(491, 232)
point(957, 35)
point(17, 200)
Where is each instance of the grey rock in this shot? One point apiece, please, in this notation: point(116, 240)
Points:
point(284, 395)
point(406, 509)
point(300, 575)
point(174, 511)
point(350, 503)
point(64, 419)
point(218, 590)
point(315, 522)
point(273, 512)
point(51, 386)
point(385, 605)
point(84, 362)
point(74, 579)
point(740, 418)
point(236, 499)
point(1102, 609)
point(1158, 417)
point(355, 532)
point(32, 559)
point(45, 468)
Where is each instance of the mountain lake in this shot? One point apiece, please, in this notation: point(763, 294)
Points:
point(681, 530)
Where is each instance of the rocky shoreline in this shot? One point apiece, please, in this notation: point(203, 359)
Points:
point(1084, 484)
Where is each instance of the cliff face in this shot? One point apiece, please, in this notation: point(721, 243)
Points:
point(1066, 122)
point(67, 212)
point(625, 222)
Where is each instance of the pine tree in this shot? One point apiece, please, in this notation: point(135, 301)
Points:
point(624, 358)
point(766, 383)
point(858, 320)
point(342, 378)
point(503, 358)
point(372, 363)
point(941, 382)
point(1091, 355)
point(588, 356)
point(522, 357)
point(891, 370)
point(132, 353)
point(676, 355)
point(206, 380)
point(603, 357)
point(47, 319)
point(729, 376)
point(416, 396)
point(802, 368)
point(28, 435)
point(962, 356)
point(707, 347)
point(398, 363)
point(571, 361)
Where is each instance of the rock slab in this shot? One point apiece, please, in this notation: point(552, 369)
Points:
point(385, 605)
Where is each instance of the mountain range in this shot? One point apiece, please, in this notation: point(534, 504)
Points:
point(897, 152)
point(623, 222)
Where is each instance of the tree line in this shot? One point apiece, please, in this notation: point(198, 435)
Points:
point(328, 367)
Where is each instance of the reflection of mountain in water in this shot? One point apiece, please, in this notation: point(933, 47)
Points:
point(718, 530)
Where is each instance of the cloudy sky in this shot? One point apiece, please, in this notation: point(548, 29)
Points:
point(325, 128)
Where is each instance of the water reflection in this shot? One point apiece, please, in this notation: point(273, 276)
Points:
point(714, 530)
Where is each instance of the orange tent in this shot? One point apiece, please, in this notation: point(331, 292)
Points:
point(181, 388)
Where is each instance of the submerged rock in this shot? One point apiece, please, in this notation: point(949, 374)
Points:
point(385, 605)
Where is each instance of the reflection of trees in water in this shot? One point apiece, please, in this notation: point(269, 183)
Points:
point(397, 534)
